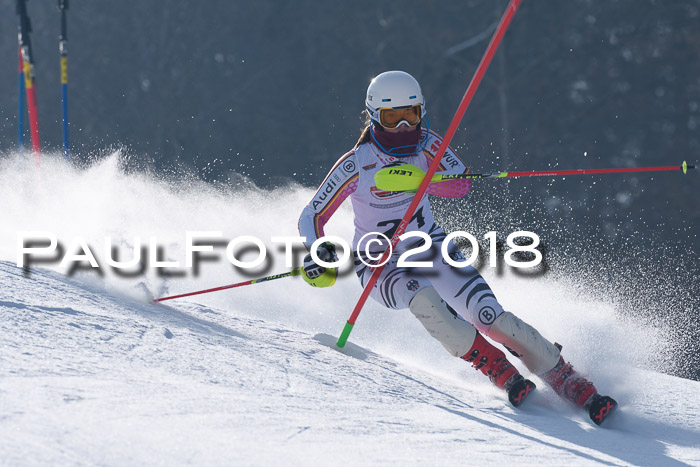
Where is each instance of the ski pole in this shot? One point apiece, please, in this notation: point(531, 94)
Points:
point(63, 50)
point(401, 228)
point(408, 177)
point(293, 272)
point(25, 45)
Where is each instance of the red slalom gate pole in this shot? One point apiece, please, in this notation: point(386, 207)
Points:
point(32, 108)
point(466, 100)
point(20, 112)
point(25, 46)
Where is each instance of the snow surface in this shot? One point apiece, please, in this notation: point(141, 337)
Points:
point(91, 372)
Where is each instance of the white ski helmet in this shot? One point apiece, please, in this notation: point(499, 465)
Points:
point(391, 90)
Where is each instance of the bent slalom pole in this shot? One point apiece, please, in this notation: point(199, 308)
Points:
point(63, 50)
point(25, 46)
point(293, 272)
point(408, 177)
point(401, 228)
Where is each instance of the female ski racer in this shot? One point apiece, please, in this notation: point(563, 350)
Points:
point(455, 305)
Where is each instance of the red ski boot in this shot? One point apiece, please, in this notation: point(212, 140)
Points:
point(577, 389)
point(569, 384)
point(493, 363)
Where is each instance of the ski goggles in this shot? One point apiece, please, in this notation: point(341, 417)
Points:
point(391, 118)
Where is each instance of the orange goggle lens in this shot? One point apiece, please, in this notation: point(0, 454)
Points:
point(390, 118)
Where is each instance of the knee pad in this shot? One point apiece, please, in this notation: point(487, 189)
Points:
point(453, 332)
point(537, 353)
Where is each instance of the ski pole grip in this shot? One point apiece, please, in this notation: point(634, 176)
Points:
point(344, 335)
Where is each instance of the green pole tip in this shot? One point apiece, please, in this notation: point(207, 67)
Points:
point(344, 335)
point(685, 167)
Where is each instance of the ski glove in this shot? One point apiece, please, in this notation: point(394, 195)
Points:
point(316, 275)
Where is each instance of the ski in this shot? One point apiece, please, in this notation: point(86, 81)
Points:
point(601, 408)
point(519, 390)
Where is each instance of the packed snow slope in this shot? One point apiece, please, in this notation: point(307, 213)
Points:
point(97, 378)
point(92, 372)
